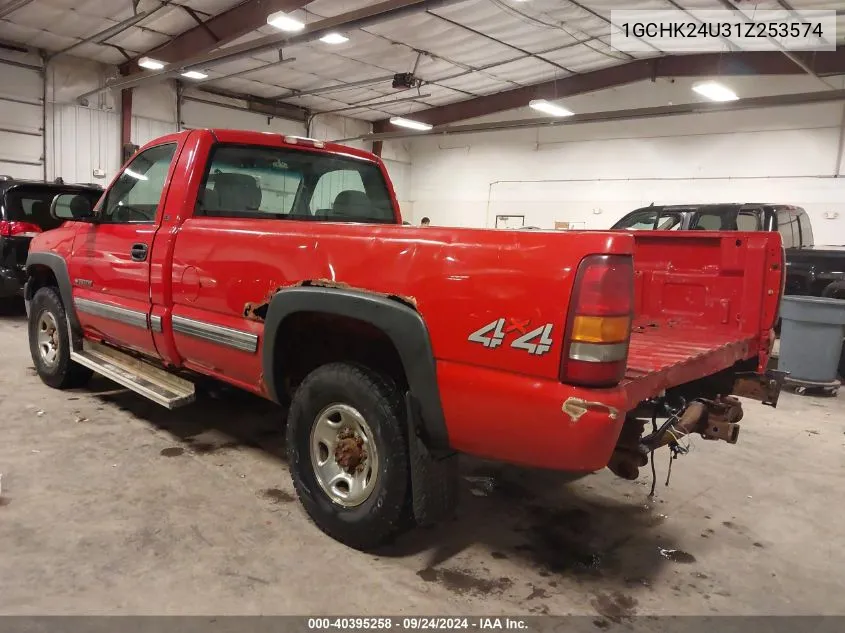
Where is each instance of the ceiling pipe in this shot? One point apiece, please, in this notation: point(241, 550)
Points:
point(751, 103)
point(243, 73)
point(370, 104)
point(13, 6)
point(335, 88)
point(358, 19)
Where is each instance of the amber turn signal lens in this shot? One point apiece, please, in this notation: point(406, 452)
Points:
point(598, 329)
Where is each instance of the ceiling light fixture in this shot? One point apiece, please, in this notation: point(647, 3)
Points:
point(547, 107)
point(411, 124)
point(334, 38)
point(284, 22)
point(194, 74)
point(152, 64)
point(715, 91)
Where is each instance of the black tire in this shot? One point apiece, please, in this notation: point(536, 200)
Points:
point(387, 511)
point(836, 290)
point(63, 373)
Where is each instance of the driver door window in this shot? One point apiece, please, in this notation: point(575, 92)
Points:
point(135, 196)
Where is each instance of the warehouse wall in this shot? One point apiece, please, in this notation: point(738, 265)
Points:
point(397, 158)
point(21, 115)
point(591, 175)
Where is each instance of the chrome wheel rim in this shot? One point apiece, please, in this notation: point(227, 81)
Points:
point(344, 455)
point(48, 339)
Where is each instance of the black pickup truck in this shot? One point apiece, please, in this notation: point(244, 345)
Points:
point(811, 270)
point(817, 271)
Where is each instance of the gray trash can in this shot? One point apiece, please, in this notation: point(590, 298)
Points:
point(811, 340)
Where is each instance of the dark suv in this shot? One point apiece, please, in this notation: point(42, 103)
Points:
point(25, 212)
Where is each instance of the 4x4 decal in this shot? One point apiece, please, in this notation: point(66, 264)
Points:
point(537, 341)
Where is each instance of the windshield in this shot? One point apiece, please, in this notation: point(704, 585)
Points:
point(650, 221)
point(32, 204)
point(265, 182)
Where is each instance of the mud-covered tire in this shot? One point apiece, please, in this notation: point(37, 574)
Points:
point(387, 509)
point(63, 373)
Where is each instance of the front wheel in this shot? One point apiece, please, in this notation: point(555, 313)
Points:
point(49, 342)
point(348, 454)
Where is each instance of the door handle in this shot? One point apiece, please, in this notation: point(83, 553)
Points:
point(139, 252)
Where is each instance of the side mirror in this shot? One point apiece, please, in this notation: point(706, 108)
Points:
point(72, 206)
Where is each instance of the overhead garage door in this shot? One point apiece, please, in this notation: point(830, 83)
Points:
point(21, 120)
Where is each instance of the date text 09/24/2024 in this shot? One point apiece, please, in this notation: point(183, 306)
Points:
point(415, 623)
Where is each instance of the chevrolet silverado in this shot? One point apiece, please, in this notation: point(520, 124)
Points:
point(281, 265)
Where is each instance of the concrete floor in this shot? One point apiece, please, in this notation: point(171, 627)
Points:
point(113, 505)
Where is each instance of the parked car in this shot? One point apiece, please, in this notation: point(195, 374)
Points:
point(24, 213)
point(281, 266)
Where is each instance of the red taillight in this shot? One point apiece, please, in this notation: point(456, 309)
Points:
point(8, 229)
point(599, 323)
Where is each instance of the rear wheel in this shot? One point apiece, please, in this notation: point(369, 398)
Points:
point(348, 454)
point(49, 342)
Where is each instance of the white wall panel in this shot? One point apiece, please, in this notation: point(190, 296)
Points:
point(400, 176)
point(331, 127)
point(203, 115)
point(21, 117)
point(80, 140)
point(155, 101)
point(145, 130)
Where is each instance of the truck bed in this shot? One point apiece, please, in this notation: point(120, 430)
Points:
point(663, 356)
point(703, 301)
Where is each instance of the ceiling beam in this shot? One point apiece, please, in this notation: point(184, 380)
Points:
point(750, 103)
point(698, 65)
point(218, 30)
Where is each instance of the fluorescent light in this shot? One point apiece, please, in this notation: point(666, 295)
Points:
point(284, 22)
point(135, 175)
point(715, 91)
point(547, 107)
point(194, 74)
point(152, 64)
point(410, 123)
point(334, 38)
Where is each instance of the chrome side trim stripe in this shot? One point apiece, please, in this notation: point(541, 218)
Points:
point(115, 313)
point(236, 339)
point(155, 324)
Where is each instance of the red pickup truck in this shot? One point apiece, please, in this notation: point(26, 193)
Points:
point(281, 265)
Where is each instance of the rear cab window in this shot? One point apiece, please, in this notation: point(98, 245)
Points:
point(246, 181)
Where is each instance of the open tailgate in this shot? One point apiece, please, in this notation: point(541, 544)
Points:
point(703, 301)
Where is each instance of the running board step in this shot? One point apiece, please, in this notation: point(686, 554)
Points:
point(143, 378)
